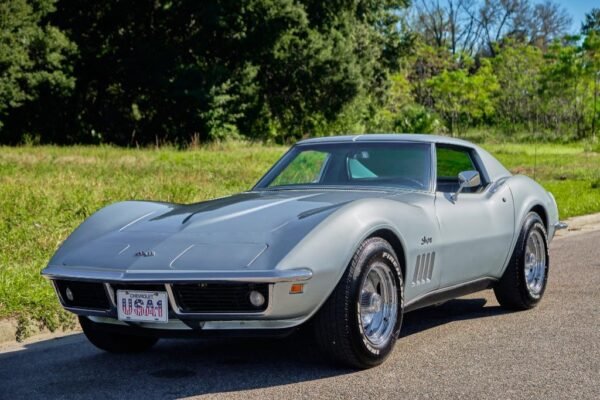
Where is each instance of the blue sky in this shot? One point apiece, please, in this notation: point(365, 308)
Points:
point(577, 9)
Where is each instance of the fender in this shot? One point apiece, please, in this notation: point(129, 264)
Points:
point(115, 216)
point(333, 243)
point(528, 194)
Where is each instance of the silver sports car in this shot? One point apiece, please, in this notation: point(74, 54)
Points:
point(345, 233)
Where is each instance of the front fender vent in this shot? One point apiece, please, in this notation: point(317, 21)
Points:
point(423, 268)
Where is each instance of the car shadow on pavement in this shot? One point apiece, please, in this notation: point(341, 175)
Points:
point(454, 310)
point(72, 368)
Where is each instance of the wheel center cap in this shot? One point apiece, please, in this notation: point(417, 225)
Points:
point(375, 302)
point(530, 258)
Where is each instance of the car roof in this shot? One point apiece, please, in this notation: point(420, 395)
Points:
point(493, 168)
point(387, 137)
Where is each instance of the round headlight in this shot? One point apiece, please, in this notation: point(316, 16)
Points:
point(256, 298)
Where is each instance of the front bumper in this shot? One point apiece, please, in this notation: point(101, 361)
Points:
point(284, 310)
point(175, 276)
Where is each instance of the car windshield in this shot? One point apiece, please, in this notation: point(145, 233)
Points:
point(400, 164)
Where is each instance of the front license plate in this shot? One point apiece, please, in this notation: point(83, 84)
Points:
point(142, 306)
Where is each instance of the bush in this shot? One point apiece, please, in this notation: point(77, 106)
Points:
point(416, 119)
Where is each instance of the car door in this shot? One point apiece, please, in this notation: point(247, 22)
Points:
point(476, 227)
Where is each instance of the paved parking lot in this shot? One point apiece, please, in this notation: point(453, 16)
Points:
point(466, 348)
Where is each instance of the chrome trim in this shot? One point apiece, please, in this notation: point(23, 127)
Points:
point(260, 253)
point(218, 315)
point(448, 289)
point(560, 225)
point(136, 220)
point(495, 186)
point(378, 305)
point(175, 276)
point(535, 264)
point(466, 179)
point(60, 299)
point(111, 295)
point(173, 324)
point(179, 255)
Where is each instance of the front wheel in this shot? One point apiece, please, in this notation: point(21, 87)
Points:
point(360, 322)
point(524, 281)
point(115, 342)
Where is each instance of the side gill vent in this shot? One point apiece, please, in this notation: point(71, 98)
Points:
point(423, 268)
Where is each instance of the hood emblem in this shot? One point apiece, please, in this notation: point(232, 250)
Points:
point(145, 253)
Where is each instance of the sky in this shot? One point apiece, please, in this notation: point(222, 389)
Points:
point(577, 9)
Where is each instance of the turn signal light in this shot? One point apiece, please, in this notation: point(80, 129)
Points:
point(297, 288)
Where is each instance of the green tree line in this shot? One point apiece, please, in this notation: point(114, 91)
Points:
point(181, 71)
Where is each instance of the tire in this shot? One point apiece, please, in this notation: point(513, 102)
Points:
point(113, 342)
point(524, 281)
point(343, 324)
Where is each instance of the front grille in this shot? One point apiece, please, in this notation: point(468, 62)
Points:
point(83, 294)
point(219, 297)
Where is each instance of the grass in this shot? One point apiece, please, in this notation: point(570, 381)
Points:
point(570, 172)
point(45, 192)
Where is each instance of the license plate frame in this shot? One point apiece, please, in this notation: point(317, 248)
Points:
point(142, 306)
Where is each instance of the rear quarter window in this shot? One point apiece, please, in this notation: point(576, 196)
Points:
point(451, 162)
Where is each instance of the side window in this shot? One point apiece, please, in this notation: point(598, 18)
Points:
point(304, 169)
point(450, 162)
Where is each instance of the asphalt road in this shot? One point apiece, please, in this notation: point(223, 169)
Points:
point(466, 348)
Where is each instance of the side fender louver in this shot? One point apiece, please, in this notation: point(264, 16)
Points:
point(423, 268)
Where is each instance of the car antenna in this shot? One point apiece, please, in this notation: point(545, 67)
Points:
point(535, 144)
point(534, 157)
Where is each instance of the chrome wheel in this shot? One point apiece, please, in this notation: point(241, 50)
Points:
point(378, 304)
point(535, 263)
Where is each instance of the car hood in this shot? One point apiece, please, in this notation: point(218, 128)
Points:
point(248, 230)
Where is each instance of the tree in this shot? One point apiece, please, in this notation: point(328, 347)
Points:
point(34, 57)
point(591, 23)
point(476, 26)
point(563, 89)
point(549, 21)
point(450, 24)
point(591, 65)
point(461, 97)
point(517, 67)
point(152, 71)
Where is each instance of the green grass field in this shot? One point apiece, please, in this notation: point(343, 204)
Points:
point(45, 192)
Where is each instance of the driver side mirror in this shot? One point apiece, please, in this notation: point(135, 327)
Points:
point(467, 179)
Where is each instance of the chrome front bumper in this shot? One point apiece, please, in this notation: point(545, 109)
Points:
point(560, 225)
point(175, 276)
point(288, 313)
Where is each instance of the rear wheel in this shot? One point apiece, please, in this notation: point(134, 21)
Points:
point(360, 322)
point(115, 342)
point(524, 281)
